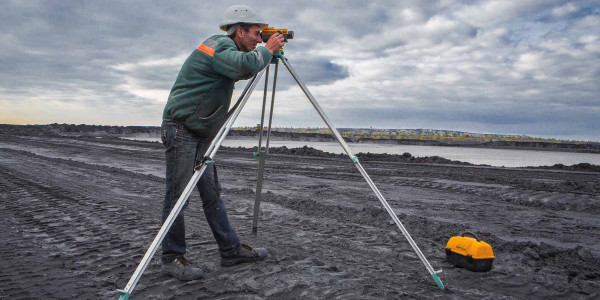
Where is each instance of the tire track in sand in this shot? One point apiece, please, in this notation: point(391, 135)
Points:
point(88, 238)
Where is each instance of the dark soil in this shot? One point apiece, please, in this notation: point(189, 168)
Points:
point(77, 215)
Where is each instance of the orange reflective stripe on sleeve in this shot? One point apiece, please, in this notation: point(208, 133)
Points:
point(206, 49)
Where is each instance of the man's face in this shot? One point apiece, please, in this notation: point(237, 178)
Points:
point(248, 40)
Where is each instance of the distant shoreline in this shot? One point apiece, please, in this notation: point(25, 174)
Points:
point(142, 139)
point(69, 130)
point(515, 145)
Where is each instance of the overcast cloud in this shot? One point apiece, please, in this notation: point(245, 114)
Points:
point(520, 67)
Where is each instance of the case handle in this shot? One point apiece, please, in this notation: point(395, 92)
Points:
point(471, 234)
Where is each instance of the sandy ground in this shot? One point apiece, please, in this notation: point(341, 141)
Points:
point(77, 216)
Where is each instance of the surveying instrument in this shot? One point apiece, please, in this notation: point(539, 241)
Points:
point(262, 154)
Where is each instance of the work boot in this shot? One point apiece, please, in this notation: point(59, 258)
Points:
point(182, 269)
point(245, 254)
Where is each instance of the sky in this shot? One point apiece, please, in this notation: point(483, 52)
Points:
point(490, 66)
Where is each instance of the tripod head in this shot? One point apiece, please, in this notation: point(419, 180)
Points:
point(269, 31)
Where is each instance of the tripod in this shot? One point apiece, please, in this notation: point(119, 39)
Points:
point(262, 155)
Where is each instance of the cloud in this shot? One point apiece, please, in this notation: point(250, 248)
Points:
point(518, 66)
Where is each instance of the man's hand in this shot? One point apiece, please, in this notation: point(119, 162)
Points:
point(275, 43)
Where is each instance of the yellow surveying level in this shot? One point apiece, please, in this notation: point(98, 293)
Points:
point(269, 31)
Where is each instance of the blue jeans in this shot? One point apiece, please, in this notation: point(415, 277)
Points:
point(182, 149)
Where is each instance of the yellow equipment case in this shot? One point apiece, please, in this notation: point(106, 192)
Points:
point(467, 251)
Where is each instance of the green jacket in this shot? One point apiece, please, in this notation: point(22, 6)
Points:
point(201, 95)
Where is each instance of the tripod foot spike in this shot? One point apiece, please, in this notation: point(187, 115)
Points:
point(437, 279)
point(124, 295)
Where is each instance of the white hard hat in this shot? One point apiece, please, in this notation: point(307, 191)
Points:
point(240, 14)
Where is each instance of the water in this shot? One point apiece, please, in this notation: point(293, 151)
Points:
point(492, 157)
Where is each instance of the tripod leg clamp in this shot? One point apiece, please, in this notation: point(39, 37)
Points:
point(354, 159)
point(260, 154)
point(206, 160)
point(123, 295)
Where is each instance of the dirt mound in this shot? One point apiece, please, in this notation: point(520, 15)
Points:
point(403, 158)
point(310, 151)
point(408, 158)
point(586, 167)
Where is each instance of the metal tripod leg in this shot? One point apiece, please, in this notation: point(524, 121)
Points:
point(362, 171)
point(199, 170)
point(262, 155)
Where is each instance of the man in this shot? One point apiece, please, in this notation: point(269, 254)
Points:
point(195, 111)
